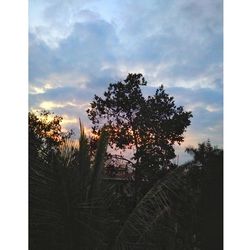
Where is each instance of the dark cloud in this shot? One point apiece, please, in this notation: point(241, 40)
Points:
point(89, 45)
point(41, 59)
point(86, 51)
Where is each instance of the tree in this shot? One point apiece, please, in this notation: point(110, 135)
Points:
point(45, 132)
point(204, 152)
point(205, 174)
point(150, 126)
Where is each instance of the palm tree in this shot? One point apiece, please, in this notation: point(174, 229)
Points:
point(63, 196)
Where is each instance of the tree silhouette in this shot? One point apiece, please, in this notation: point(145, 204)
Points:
point(45, 133)
point(150, 126)
point(204, 152)
point(205, 175)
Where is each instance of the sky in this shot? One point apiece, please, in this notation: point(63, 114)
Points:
point(78, 47)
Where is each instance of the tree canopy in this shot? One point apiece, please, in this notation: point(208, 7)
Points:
point(204, 152)
point(150, 126)
point(205, 174)
point(45, 132)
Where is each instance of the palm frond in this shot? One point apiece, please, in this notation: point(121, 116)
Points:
point(84, 156)
point(156, 204)
point(98, 164)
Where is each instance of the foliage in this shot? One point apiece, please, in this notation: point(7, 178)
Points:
point(204, 152)
point(150, 125)
point(72, 207)
point(153, 222)
point(45, 132)
point(61, 212)
point(205, 175)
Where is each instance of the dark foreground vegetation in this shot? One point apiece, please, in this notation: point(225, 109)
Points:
point(88, 196)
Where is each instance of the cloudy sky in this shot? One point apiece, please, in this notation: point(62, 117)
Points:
point(77, 47)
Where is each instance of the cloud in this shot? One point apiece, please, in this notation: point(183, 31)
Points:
point(180, 43)
point(76, 48)
point(85, 53)
point(179, 40)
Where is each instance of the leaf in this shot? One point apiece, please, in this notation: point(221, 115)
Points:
point(154, 205)
point(98, 164)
